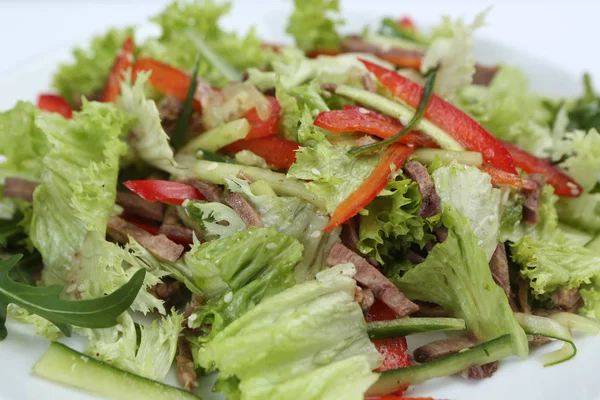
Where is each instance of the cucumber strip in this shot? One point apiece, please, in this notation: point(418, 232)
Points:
point(494, 350)
point(215, 172)
point(387, 42)
point(426, 156)
point(69, 367)
point(219, 137)
point(397, 110)
point(212, 57)
point(542, 326)
point(262, 188)
point(407, 326)
point(577, 322)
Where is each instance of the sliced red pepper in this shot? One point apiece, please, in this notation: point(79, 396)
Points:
point(54, 103)
point(359, 119)
point(563, 184)
point(261, 128)
point(275, 150)
point(413, 62)
point(394, 351)
point(167, 192)
point(167, 79)
point(122, 63)
point(391, 397)
point(148, 227)
point(396, 154)
point(504, 178)
point(453, 121)
point(407, 23)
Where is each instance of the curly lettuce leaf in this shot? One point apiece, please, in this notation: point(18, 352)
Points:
point(469, 191)
point(456, 275)
point(87, 74)
point(215, 220)
point(296, 218)
point(151, 358)
point(309, 341)
point(454, 54)
point(23, 143)
point(149, 140)
point(392, 222)
point(183, 22)
point(312, 25)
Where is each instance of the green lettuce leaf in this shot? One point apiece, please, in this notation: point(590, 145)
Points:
point(185, 23)
point(296, 218)
point(333, 173)
point(87, 74)
point(456, 275)
point(591, 300)
point(584, 114)
point(553, 264)
point(309, 341)
point(151, 358)
point(469, 191)
point(312, 26)
point(23, 143)
point(392, 222)
point(149, 140)
point(454, 55)
point(215, 220)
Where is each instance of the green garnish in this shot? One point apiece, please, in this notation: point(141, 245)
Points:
point(184, 118)
point(427, 92)
point(46, 302)
point(389, 27)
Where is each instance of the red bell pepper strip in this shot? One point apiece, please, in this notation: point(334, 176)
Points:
point(394, 351)
point(396, 154)
point(275, 150)
point(407, 23)
point(453, 121)
point(353, 119)
point(54, 103)
point(388, 397)
point(413, 62)
point(261, 128)
point(167, 79)
point(167, 192)
point(504, 178)
point(563, 184)
point(122, 63)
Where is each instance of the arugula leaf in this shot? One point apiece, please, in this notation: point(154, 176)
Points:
point(46, 302)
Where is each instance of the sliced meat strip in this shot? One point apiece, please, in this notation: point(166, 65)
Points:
point(441, 234)
point(531, 206)
point(430, 201)
point(365, 140)
point(356, 44)
point(430, 310)
point(539, 340)
point(169, 109)
point(135, 205)
point(160, 246)
point(181, 234)
point(444, 347)
point(350, 235)
point(329, 87)
point(479, 372)
point(172, 292)
point(368, 276)
point(414, 257)
point(195, 302)
point(244, 209)
point(211, 191)
point(364, 297)
point(186, 373)
point(499, 269)
point(484, 74)
point(523, 296)
point(18, 188)
point(567, 299)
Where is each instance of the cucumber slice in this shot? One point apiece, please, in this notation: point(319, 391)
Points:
point(426, 156)
point(391, 380)
point(407, 326)
point(397, 110)
point(69, 367)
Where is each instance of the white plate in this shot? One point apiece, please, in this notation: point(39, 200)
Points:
point(516, 379)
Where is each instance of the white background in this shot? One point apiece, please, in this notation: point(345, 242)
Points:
point(562, 32)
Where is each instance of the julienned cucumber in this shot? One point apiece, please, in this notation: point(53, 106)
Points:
point(407, 326)
point(494, 350)
point(69, 367)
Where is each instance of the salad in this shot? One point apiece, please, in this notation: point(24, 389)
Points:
point(285, 215)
